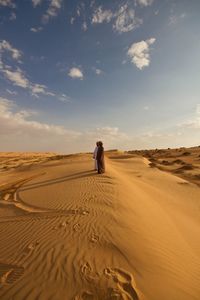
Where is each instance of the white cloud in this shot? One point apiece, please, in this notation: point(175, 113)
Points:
point(64, 98)
point(19, 132)
point(11, 92)
point(98, 71)
point(53, 10)
point(84, 26)
point(36, 29)
point(78, 11)
point(72, 20)
point(40, 89)
point(109, 133)
point(9, 3)
point(145, 2)
point(100, 16)
point(6, 46)
point(75, 73)
point(16, 77)
point(36, 2)
point(126, 20)
point(139, 53)
point(112, 137)
point(19, 124)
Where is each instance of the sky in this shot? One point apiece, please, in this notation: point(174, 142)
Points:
point(73, 72)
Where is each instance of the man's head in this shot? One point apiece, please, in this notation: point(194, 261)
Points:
point(100, 143)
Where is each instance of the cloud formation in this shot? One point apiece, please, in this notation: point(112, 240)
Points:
point(19, 132)
point(17, 76)
point(19, 123)
point(36, 29)
point(8, 3)
point(36, 2)
point(53, 10)
point(75, 73)
point(145, 2)
point(109, 134)
point(6, 46)
point(126, 20)
point(84, 26)
point(101, 16)
point(98, 71)
point(139, 53)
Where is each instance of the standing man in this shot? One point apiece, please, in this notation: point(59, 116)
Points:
point(100, 158)
point(95, 156)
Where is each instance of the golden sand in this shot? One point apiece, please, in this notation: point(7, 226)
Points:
point(69, 233)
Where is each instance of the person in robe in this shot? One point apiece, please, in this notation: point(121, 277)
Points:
point(95, 156)
point(100, 158)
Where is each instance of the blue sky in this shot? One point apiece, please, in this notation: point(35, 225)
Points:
point(73, 72)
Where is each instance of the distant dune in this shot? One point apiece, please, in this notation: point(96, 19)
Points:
point(129, 234)
point(184, 162)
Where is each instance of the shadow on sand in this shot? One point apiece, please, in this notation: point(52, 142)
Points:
point(74, 176)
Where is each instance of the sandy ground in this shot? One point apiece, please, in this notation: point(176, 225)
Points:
point(184, 162)
point(68, 233)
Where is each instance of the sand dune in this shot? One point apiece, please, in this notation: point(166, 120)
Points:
point(170, 160)
point(68, 233)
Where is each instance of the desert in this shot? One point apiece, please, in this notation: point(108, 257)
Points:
point(70, 233)
point(99, 150)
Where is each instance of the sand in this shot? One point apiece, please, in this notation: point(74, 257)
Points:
point(68, 233)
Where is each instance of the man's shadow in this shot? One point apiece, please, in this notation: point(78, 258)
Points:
point(71, 177)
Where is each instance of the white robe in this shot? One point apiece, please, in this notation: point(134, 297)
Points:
point(95, 157)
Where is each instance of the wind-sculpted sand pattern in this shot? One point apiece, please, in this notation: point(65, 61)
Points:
point(68, 233)
point(9, 274)
point(43, 245)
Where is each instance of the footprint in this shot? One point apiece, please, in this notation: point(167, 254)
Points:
point(7, 197)
point(9, 273)
point(124, 281)
point(85, 212)
point(30, 247)
point(85, 296)
point(111, 284)
point(87, 273)
point(64, 224)
point(94, 238)
point(86, 269)
point(76, 227)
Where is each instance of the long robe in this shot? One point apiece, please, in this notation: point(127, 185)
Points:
point(100, 160)
point(95, 158)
